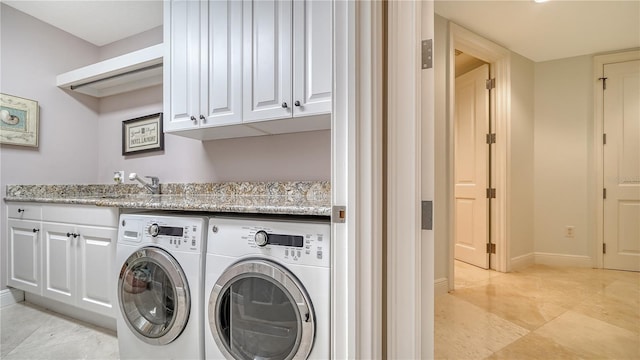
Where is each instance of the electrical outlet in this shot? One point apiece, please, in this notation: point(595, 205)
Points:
point(570, 231)
point(118, 176)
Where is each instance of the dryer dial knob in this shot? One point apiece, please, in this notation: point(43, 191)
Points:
point(261, 238)
point(154, 230)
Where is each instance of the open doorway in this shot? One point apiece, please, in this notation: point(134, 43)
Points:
point(479, 140)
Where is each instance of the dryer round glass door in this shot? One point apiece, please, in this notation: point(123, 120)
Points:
point(154, 296)
point(259, 310)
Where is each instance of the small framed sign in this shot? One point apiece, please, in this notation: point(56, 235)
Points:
point(142, 134)
point(18, 121)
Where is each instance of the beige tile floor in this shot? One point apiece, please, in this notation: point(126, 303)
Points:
point(536, 313)
point(539, 312)
point(31, 332)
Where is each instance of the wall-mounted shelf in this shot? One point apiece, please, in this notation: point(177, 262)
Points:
point(132, 71)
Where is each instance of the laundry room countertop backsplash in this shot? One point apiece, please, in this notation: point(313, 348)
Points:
point(282, 197)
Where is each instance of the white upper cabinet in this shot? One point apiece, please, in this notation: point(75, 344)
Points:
point(288, 56)
point(247, 68)
point(182, 76)
point(267, 60)
point(203, 83)
point(312, 57)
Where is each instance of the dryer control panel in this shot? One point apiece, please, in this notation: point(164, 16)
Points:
point(169, 232)
point(295, 242)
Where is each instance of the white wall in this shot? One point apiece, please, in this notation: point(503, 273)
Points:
point(33, 54)
point(301, 156)
point(522, 132)
point(563, 117)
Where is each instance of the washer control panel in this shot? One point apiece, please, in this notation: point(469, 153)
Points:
point(177, 233)
point(297, 242)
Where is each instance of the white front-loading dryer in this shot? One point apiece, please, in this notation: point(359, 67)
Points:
point(267, 289)
point(160, 260)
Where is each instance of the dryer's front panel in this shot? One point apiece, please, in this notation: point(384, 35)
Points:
point(259, 310)
point(154, 296)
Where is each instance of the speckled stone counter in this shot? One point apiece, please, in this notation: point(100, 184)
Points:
point(285, 198)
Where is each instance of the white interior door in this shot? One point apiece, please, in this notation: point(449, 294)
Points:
point(471, 167)
point(622, 166)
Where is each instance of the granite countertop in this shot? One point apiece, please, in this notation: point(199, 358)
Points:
point(285, 198)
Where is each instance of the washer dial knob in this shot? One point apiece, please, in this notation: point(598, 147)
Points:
point(261, 238)
point(154, 230)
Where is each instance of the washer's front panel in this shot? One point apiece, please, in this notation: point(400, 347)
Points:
point(173, 233)
point(288, 242)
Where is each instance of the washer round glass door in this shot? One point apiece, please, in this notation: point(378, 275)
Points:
point(154, 296)
point(259, 310)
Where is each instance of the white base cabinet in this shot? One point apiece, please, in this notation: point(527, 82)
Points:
point(69, 259)
point(24, 259)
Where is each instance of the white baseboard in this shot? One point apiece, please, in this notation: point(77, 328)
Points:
point(441, 286)
point(563, 260)
point(522, 261)
point(11, 296)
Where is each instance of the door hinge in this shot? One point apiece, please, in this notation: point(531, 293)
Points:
point(604, 139)
point(604, 193)
point(491, 248)
point(427, 215)
point(491, 193)
point(427, 54)
point(338, 214)
point(604, 248)
point(491, 138)
point(604, 82)
point(490, 84)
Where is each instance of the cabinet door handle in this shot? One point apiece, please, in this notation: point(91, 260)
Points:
point(204, 119)
point(297, 103)
point(193, 118)
point(36, 230)
point(73, 234)
point(69, 234)
point(76, 235)
point(284, 105)
point(20, 211)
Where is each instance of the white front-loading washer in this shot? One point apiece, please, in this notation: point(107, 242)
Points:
point(160, 259)
point(267, 289)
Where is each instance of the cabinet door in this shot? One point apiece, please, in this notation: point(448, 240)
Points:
point(24, 255)
point(95, 274)
point(267, 60)
point(312, 57)
point(58, 254)
point(221, 90)
point(182, 68)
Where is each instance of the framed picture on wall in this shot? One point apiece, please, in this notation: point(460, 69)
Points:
point(142, 134)
point(18, 121)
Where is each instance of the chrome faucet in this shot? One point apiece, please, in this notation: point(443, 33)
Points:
point(154, 187)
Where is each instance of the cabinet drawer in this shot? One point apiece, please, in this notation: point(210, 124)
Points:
point(81, 215)
point(24, 211)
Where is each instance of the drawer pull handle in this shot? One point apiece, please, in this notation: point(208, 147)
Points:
point(36, 230)
point(20, 211)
